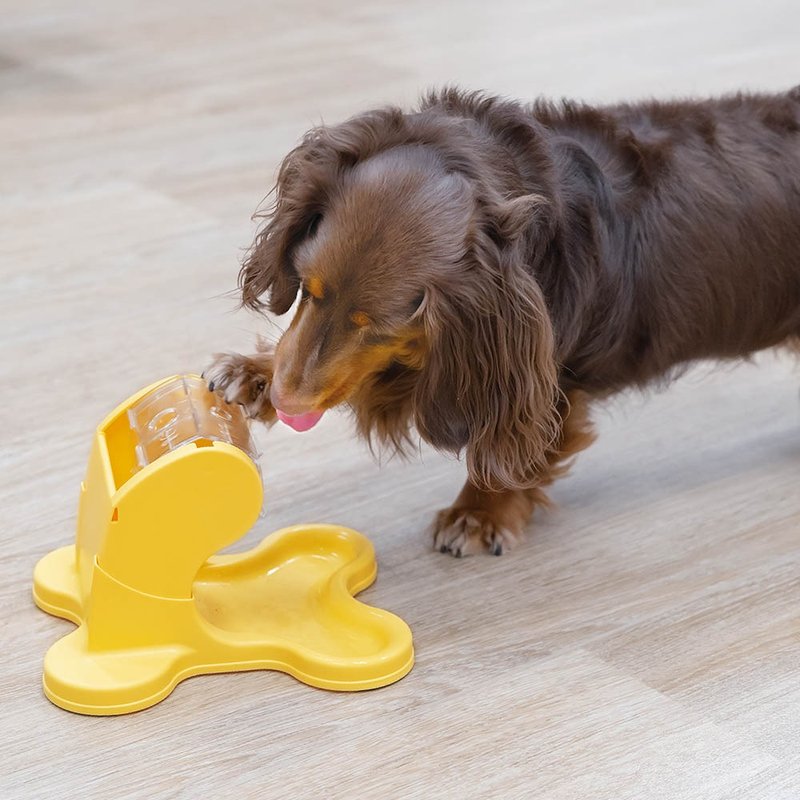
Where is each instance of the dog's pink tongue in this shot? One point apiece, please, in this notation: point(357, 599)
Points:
point(302, 422)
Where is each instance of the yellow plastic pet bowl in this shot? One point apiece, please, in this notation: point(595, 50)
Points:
point(172, 479)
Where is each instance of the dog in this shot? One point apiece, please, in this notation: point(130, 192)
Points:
point(481, 271)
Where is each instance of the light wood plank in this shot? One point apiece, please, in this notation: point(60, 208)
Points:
point(642, 644)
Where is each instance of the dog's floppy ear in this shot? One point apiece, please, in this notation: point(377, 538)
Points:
point(300, 192)
point(490, 383)
point(268, 268)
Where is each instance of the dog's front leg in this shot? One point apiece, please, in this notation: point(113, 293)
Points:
point(481, 520)
point(245, 380)
point(495, 521)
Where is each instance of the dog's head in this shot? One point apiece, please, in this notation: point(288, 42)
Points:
point(414, 304)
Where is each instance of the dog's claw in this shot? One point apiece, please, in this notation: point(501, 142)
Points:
point(462, 532)
point(242, 380)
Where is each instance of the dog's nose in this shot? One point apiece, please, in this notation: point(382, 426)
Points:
point(285, 401)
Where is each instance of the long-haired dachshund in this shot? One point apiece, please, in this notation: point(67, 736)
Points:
point(481, 270)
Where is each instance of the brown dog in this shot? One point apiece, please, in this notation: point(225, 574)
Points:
point(481, 270)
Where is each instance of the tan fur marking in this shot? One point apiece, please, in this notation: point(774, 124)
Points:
point(315, 288)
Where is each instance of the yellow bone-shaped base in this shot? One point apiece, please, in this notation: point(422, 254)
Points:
point(285, 605)
point(154, 607)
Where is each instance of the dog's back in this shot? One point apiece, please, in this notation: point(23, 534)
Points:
point(693, 210)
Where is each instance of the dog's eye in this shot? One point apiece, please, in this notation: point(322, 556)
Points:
point(360, 319)
point(313, 225)
point(416, 304)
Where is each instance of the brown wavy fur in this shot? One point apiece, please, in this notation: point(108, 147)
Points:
point(599, 248)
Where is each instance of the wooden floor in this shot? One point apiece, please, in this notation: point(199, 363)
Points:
point(645, 641)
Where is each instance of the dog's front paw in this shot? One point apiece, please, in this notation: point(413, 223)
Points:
point(464, 531)
point(244, 380)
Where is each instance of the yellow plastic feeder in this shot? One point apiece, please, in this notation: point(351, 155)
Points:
point(172, 479)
